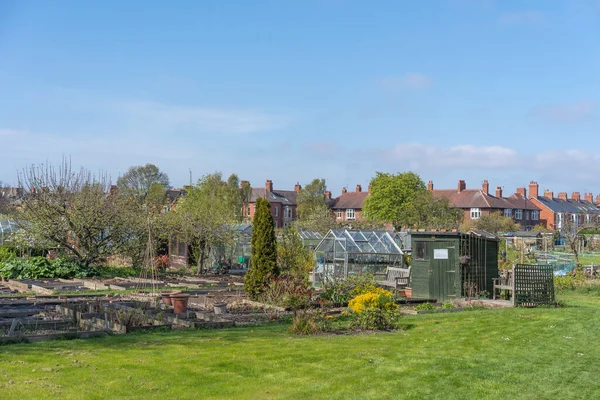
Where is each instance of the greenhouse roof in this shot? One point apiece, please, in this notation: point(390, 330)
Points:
point(310, 235)
point(361, 241)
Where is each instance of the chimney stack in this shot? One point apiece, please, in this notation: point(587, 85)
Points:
point(522, 192)
point(499, 192)
point(598, 199)
point(297, 187)
point(344, 190)
point(576, 196)
point(461, 186)
point(533, 190)
point(327, 195)
point(549, 194)
point(358, 188)
point(589, 197)
point(269, 185)
point(485, 187)
point(370, 187)
point(562, 195)
point(430, 186)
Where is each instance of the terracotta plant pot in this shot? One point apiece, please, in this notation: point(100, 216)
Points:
point(408, 292)
point(180, 302)
point(166, 296)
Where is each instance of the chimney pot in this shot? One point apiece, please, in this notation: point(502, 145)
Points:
point(522, 192)
point(430, 185)
point(461, 186)
point(499, 191)
point(576, 196)
point(562, 195)
point(548, 194)
point(485, 187)
point(344, 190)
point(589, 197)
point(533, 190)
point(297, 187)
point(269, 185)
point(358, 188)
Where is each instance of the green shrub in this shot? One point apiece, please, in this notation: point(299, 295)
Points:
point(425, 307)
point(448, 304)
point(570, 281)
point(342, 290)
point(310, 323)
point(375, 319)
point(41, 267)
point(7, 253)
point(287, 291)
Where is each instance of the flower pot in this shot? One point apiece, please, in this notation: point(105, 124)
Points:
point(408, 292)
point(166, 296)
point(220, 308)
point(180, 302)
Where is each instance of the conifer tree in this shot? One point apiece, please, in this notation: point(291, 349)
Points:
point(263, 255)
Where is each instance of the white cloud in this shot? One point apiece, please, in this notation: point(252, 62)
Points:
point(426, 155)
point(566, 112)
point(408, 81)
point(206, 119)
point(522, 17)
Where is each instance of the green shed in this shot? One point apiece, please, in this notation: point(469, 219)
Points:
point(449, 265)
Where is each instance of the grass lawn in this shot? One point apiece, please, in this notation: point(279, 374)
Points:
point(485, 354)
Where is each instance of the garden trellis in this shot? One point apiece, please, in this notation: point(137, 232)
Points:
point(344, 252)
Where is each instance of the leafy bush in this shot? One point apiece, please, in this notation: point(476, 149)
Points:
point(287, 291)
point(448, 304)
point(425, 307)
point(41, 267)
point(310, 323)
point(570, 281)
point(342, 290)
point(7, 253)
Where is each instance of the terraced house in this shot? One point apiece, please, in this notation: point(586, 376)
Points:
point(478, 202)
point(283, 203)
point(559, 212)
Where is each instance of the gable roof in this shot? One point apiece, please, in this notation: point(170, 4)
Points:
point(477, 198)
point(286, 197)
point(355, 200)
point(568, 206)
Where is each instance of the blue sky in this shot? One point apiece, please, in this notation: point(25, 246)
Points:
point(507, 91)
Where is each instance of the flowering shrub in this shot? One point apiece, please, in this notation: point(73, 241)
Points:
point(374, 310)
point(377, 298)
point(310, 323)
point(339, 290)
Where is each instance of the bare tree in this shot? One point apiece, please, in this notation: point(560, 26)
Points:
point(571, 230)
point(73, 210)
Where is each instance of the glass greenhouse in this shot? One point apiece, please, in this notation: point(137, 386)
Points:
point(7, 226)
point(310, 239)
point(345, 252)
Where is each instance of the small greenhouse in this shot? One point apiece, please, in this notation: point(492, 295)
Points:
point(310, 239)
point(7, 227)
point(345, 252)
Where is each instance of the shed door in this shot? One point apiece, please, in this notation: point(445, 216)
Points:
point(442, 271)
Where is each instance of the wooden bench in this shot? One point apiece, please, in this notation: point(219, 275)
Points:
point(396, 278)
point(505, 283)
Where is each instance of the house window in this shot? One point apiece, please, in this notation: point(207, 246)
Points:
point(519, 214)
point(588, 218)
point(350, 213)
point(475, 213)
point(248, 211)
point(508, 213)
point(421, 251)
point(575, 218)
point(339, 214)
point(276, 211)
point(535, 215)
point(287, 213)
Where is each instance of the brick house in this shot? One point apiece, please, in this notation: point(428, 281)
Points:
point(349, 205)
point(556, 211)
point(478, 202)
point(283, 203)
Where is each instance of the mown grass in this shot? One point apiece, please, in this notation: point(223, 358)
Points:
point(487, 354)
